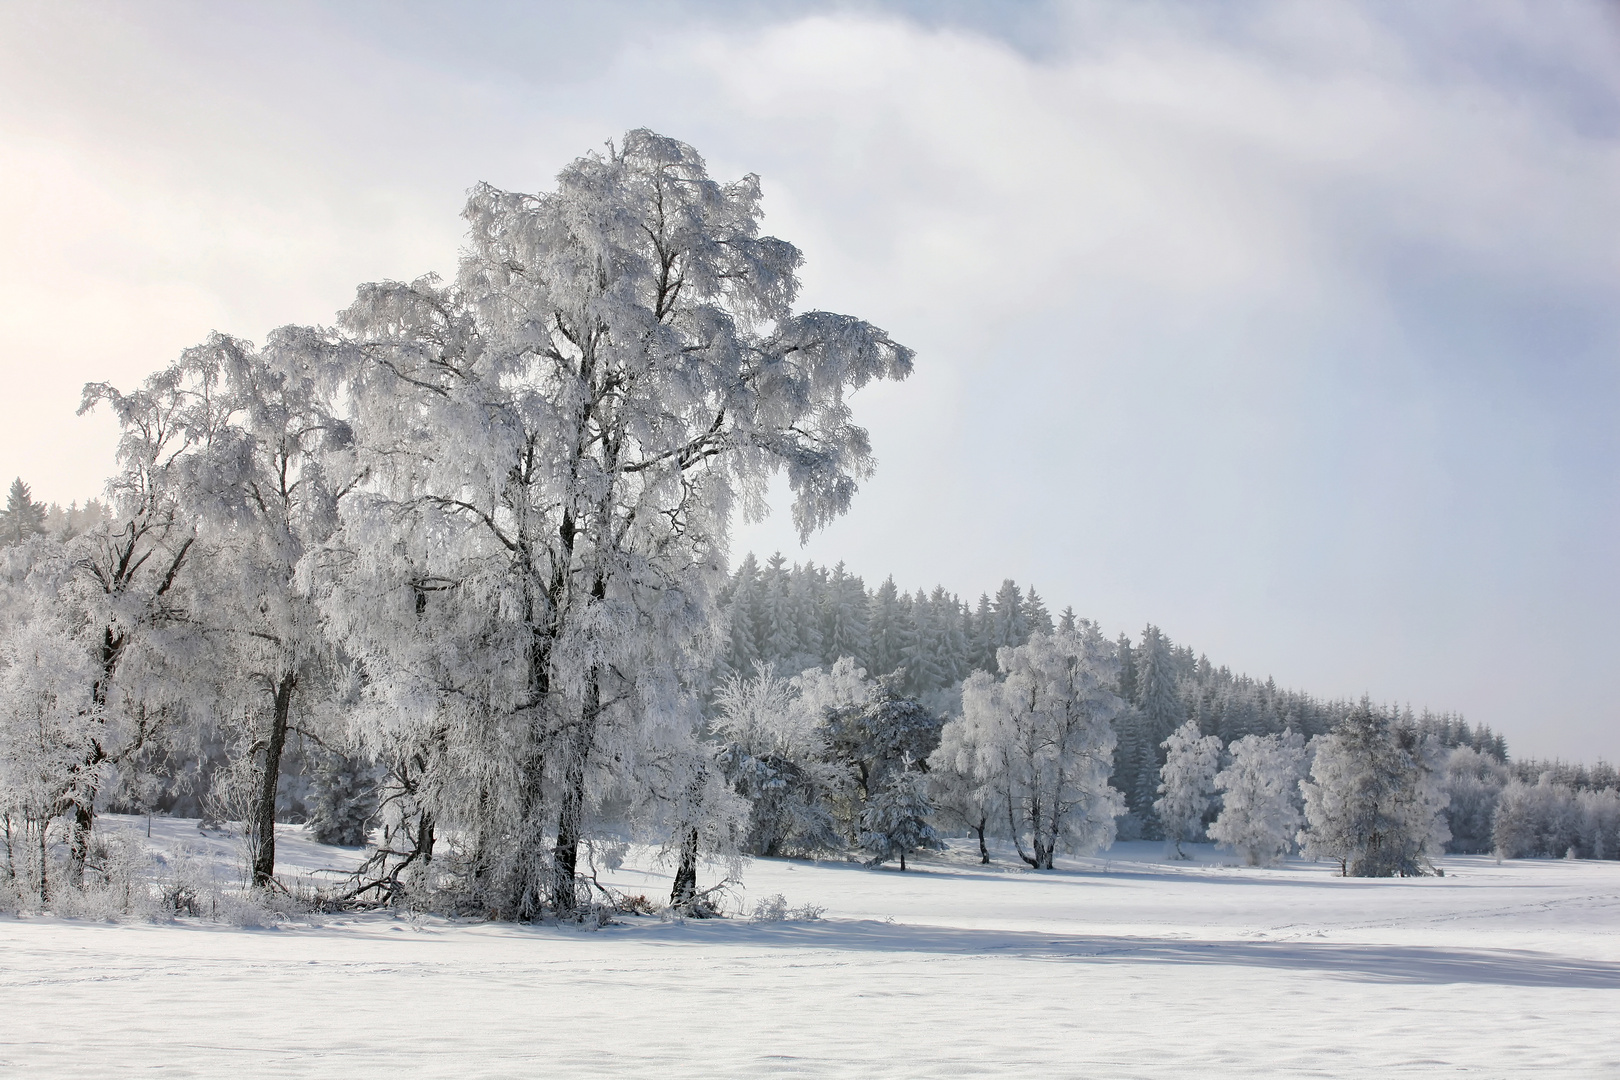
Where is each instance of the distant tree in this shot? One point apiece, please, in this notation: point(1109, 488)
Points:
point(1009, 620)
point(22, 517)
point(1536, 820)
point(872, 740)
point(1598, 825)
point(960, 790)
point(772, 752)
point(1472, 783)
point(1044, 739)
point(1037, 618)
point(1260, 813)
point(1186, 782)
point(1373, 803)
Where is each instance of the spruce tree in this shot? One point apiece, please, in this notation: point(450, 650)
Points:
point(22, 517)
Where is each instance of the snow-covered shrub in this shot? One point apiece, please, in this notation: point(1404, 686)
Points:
point(1260, 811)
point(117, 882)
point(775, 908)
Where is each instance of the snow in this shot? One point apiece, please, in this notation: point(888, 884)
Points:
point(1121, 965)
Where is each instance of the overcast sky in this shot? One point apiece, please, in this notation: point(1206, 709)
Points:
point(1291, 328)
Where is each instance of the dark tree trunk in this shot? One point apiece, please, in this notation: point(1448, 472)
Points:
point(570, 819)
point(984, 851)
point(685, 890)
point(263, 826)
point(902, 860)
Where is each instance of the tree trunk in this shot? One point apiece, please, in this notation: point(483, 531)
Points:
point(84, 819)
point(262, 829)
point(902, 860)
point(44, 869)
point(984, 852)
point(685, 889)
point(570, 818)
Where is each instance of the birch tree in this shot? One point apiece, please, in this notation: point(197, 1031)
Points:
point(1260, 814)
point(1187, 779)
point(1044, 739)
point(557, 444)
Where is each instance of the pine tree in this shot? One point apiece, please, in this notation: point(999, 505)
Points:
point(895, 821)
point(847, 629)
point(982, 643)
point(1037, 619)
point(922, 654)
point(22, 517)
point(1009, 623)
point(886, 629)
point(780, 633)
point(742, 620)
point(951, 653)
point(807, 599)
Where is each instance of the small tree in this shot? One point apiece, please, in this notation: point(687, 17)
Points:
point(895, 821)
point(1185, 783)
point(1260, 797)
point(1373, 803)
point(873, 740)
point(960, 792)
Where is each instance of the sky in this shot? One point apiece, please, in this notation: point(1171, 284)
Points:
point(1290, 328)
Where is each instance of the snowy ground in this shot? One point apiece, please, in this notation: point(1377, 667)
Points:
point(1122, 966)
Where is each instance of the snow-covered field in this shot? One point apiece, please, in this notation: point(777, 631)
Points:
point(1118, 966)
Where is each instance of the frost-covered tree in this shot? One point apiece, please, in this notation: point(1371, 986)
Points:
point(1536, 820)
point(871, 740)
point(894, 822)
point(1373, 803)
point(1598, 823)
point(773, 753)
point(1009, 619)
point(957, 785)
point(22, 517)
point(1260, 801)
point(1472, 783)
point(557, 444)
point(1186, 782)
point(1044, 739)
point(48, 721)
point(265, 488)
point(127, 587)
point(887, 633)
point(847, 632)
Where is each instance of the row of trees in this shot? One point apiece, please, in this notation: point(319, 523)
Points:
point(794, 617)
